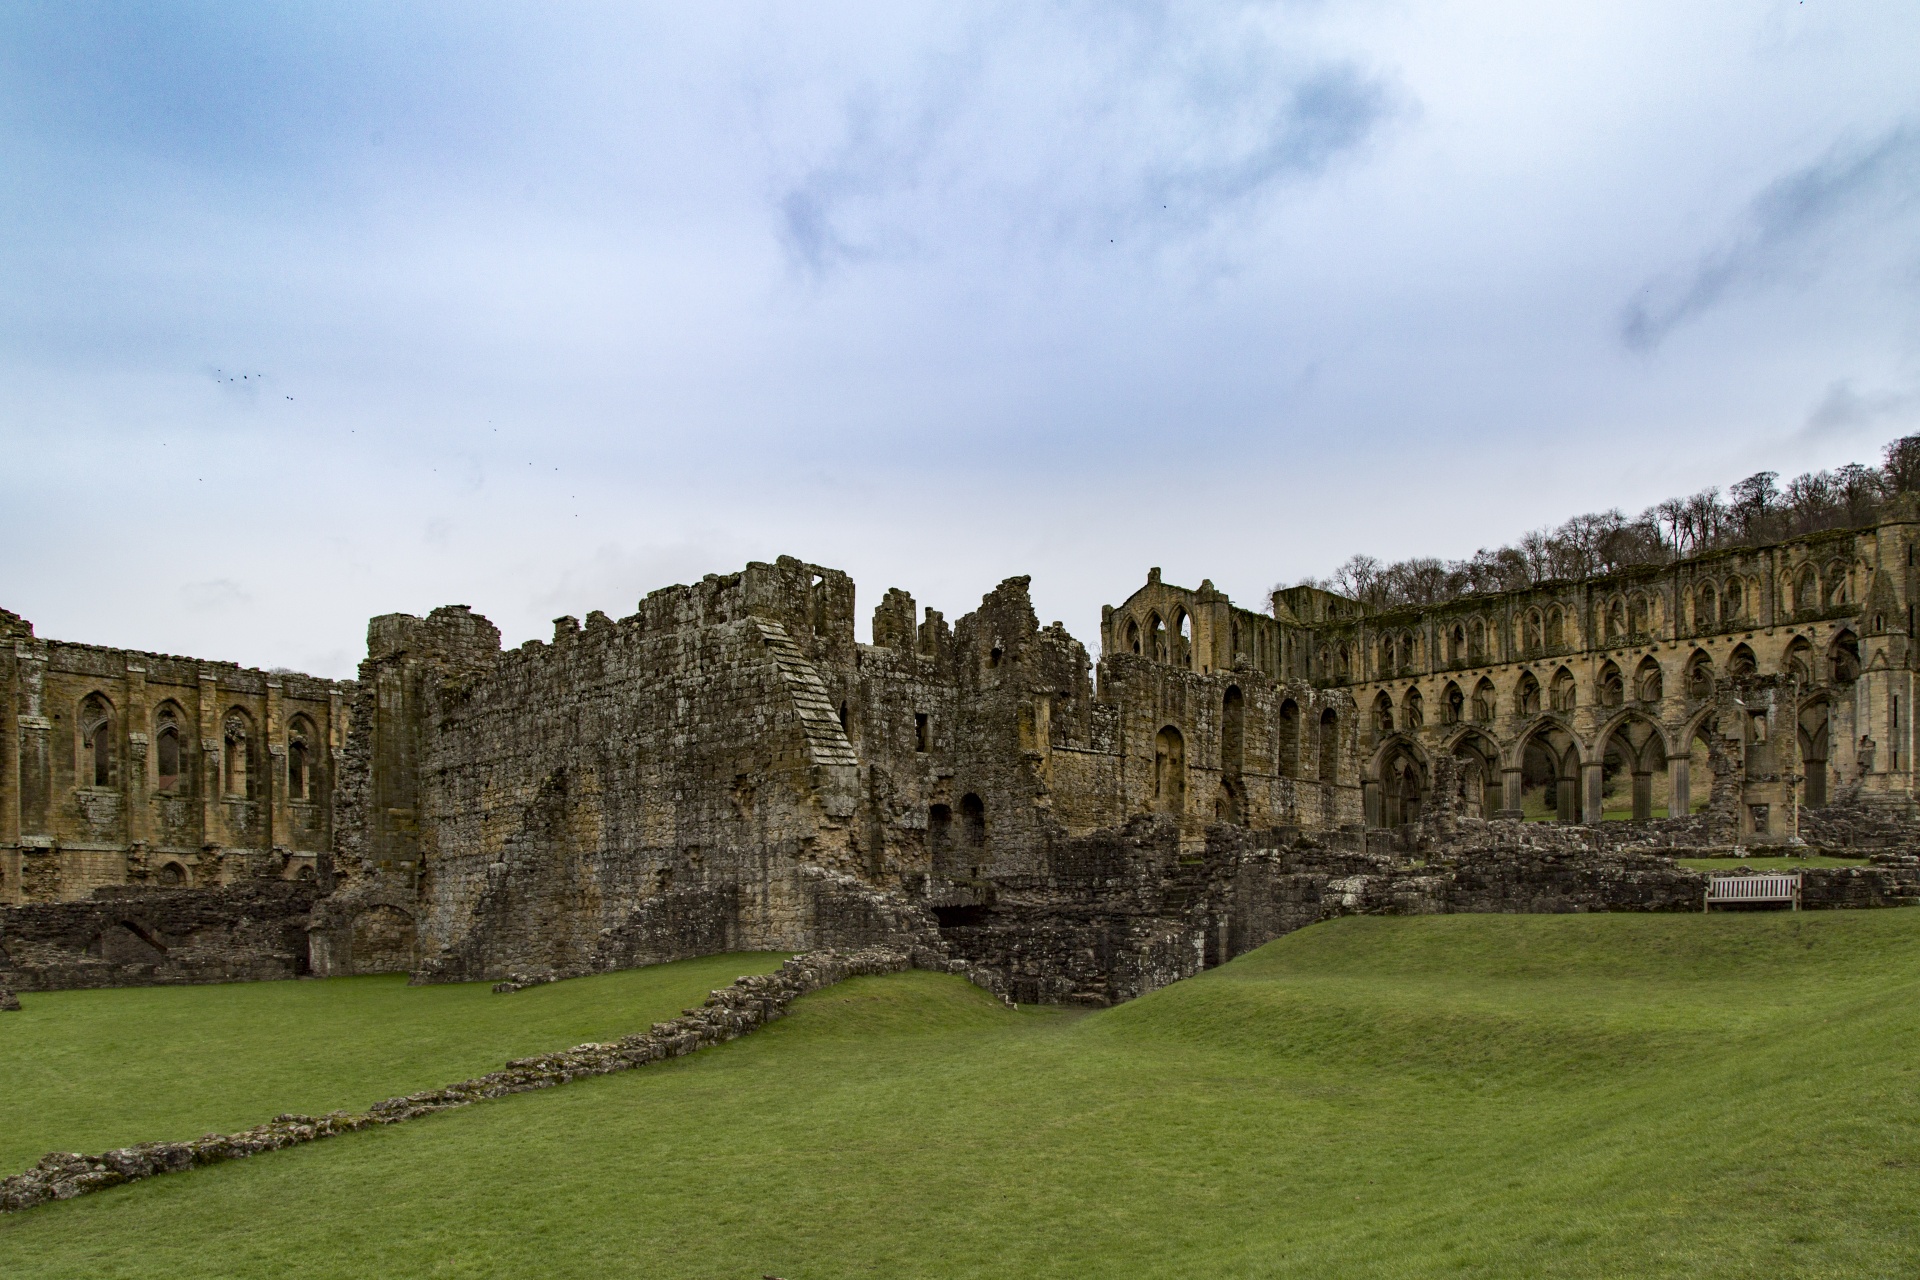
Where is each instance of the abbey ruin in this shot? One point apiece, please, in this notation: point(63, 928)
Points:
point(731, 767)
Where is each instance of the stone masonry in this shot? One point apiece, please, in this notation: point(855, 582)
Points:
point(729, 767)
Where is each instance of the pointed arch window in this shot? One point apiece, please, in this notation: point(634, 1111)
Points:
point(96, 740)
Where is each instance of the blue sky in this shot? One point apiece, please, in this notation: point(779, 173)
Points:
point(313, 312)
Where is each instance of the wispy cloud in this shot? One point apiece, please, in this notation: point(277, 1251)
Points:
point(1846, 409)
point(1089, 132)
point(1793, 214)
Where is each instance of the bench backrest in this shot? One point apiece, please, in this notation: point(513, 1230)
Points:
point(1761, 888)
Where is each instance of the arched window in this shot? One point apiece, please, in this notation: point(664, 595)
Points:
point(1536, 632)
point(973, 821)
point(96, 738)
point(1616, 620)
point(1406, 650)
point(1156, 638)
point(1527, 696)
point(1700, 675)
point(173, 876)
point(238, 743)
point(1706, 608)
point(1457, 645)
point(1740, 663)
point(301, 743)
point(1556, 627)
point(169, 751)
point(1133, 636)
point(1346, 660)
point(1453, 704)
point(1798, 661)
point(1386, 664)
point(1836, 584)
point(1648, 683)
point(1806, 590)
point(1233, 731)
point(1733, 602)
point(1483, 701)
point(1289, 738)
point(1560, 694)
point(1641, 616)
point(1383, 714)
point(1170, 771)
point(1843, 657)
point(1477, 642)
point(1329, 746)
point(1182, 638)
point(1610, 689)
point(1413, 712)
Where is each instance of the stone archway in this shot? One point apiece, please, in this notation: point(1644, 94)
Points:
point(1548, 757)
point(1633, 769)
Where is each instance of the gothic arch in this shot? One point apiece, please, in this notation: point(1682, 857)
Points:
point(1635, 743)
point(1610, 686)
point(1699, 675)
point(1399, 778)
point(1843, 657)
point(1741, 662)
point(1649, 681)
point(1528, 698)
point(99, 741)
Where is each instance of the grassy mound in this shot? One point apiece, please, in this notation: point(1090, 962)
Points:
point(88, 1070)
point(1474, 1095)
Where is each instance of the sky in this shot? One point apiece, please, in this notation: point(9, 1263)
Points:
point(313, 312)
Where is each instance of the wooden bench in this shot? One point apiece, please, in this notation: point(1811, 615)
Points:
point(1756, 888)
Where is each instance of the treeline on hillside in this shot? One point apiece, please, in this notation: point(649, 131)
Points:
point(1755, 512)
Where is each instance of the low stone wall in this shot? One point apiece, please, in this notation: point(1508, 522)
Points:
point(729, 1013)
point(125, 937)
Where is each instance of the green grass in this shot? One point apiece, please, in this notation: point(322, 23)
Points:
point(89, 1070)
point(1768, 864)
point(1607, 1095)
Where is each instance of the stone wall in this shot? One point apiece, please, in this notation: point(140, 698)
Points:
point(131, 937)
point(119, 767)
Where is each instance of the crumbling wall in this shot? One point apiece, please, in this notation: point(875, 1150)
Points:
point(133, 937)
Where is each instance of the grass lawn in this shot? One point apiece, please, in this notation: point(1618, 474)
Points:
point(89, 1070)
point(1590, 1095)
point(1768, 864)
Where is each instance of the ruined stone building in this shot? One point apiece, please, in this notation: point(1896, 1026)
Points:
point(119, 767)
point(731, 768)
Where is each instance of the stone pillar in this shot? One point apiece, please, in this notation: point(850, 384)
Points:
point(213, 826)
point(133, 785)
point(1510, 789)
point(1642, 796)
point(1592, 791)
point(279, 818)
point(1679, 787)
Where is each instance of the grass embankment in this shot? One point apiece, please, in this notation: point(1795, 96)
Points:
point(1474, 1095)
point(89, 1070)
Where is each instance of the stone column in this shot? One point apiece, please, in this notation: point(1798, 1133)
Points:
point(1679, 786)
point(134, 784)
point(213, 826)
point(1592, 791)
point(1642, 796)
point(1510, 789)
point(279, 819)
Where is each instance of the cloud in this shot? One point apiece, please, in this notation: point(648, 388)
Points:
point(216, 594)
point(1104, 132)
point(1845, 409)
point(1782, 224)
